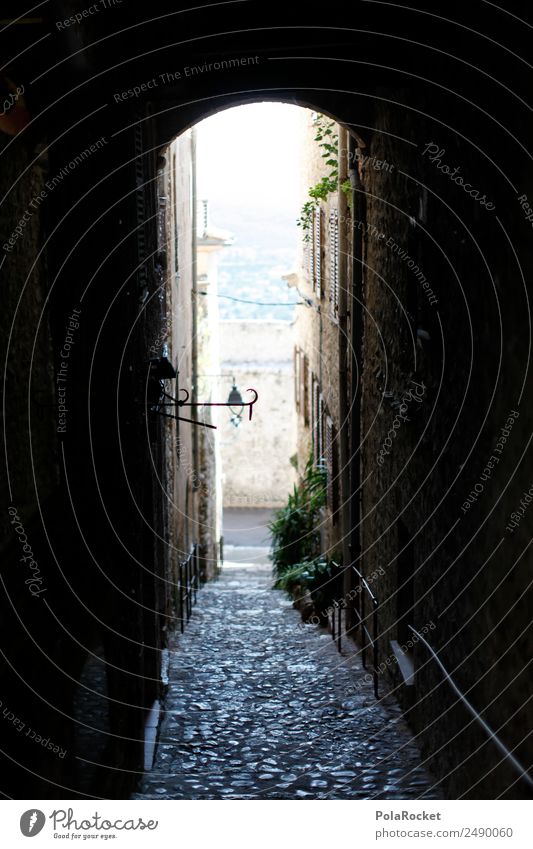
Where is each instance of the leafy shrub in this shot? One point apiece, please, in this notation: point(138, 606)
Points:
point(295, 536)
point(318, 576)
point(291, 578)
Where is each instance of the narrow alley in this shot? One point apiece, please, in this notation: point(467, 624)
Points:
point(257, 708)
point(267, 276)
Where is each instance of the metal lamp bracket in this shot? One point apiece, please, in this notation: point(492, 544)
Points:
point(160, 370)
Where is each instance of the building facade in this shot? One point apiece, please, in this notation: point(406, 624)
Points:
point(373, 387)
point(258, 354)
point(321, 358)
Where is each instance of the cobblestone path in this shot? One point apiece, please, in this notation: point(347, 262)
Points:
point(257, 709)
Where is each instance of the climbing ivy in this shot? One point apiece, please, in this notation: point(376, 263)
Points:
point(328, 140)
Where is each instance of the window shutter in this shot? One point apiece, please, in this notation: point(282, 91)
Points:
point(176, 227)
point(309, 252)
point(331, 465)
point(329, 460)
point(305, 390)
point(334, 263)
point(307, 257)
point(314, 414)
point(321, 423)
point(297, 377)
point(317, 251)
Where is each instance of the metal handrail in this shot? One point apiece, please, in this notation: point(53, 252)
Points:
point(367, 638)
point(361, 623)
point(336, 620)
point(486, 727)
point(189, 580)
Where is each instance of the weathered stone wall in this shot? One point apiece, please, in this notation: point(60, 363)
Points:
point(463, 354)
point(193, 513)
point(31, 451)
point(316, 331)
point(29, 495)
point(256, 466)
point(210, 462)
point(181, 461)
point(444, 358)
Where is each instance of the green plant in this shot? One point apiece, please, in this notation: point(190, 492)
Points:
point(317, 575)
point(295, 537)
point(346, 187)
point(328, 141)
point(291, 578)
point(321, 581)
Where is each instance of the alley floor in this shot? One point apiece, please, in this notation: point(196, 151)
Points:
point(262, 706)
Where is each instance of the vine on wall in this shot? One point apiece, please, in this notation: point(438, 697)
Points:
point(328, 140)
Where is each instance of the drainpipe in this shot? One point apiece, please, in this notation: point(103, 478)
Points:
point(356, 342)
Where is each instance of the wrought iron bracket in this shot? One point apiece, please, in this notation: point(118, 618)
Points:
point(161, 369)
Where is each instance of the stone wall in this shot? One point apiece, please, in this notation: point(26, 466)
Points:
point(210, 462)
point(444, 429)
point(256, 456)
point(446, 559)
point(316, 324)
point(31, 451)
point(180, 443)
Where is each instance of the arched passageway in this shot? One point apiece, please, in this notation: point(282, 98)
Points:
point(436, 264)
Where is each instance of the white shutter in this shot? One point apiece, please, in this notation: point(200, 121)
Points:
point(317, 251)
point(334, 263)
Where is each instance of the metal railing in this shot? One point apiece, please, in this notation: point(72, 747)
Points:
point(367, 639)
point(524, 775)
point(336, 610)
point(189, 582)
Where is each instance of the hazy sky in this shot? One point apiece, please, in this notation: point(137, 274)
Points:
point(248, 156)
